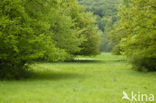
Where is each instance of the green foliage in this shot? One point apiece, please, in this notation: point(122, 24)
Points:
point(89, 32)
point(143, 63)
point(105, 12)
point(18, 42)
point(105, 44)
point(42, 30)
point(136, 33)
point(116, 50)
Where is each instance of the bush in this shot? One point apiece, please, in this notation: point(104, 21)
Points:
point(143, 63)
point(13, 69)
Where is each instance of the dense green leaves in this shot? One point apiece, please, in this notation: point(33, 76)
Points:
point(42, 30)
point(136, 33)
point(105, 12)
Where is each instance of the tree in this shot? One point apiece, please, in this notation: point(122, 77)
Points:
point(19, 44)
point(136, 33)
point(85, 22)
point(48, 30)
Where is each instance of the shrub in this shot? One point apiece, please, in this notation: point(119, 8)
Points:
point(143, 63)
point(13, 69)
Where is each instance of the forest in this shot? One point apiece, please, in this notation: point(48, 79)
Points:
point(77, 51)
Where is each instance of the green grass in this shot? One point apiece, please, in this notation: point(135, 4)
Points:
point(101, 79)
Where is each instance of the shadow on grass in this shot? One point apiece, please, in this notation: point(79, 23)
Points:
point(51, 75)
point(56, 75)
point(46, 75)
point(95, 61)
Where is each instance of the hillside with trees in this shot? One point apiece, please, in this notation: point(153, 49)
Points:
point(105, 12)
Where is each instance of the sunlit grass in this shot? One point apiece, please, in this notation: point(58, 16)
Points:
point(82, 81)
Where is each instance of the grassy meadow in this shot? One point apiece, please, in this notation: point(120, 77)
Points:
point(99, 79)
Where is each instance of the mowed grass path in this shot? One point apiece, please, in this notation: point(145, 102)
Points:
point(83, 81)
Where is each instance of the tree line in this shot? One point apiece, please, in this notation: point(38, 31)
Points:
point(135, 33)
point(58, 30)
point(49, 30)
